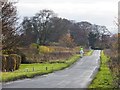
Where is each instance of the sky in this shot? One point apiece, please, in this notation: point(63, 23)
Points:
point(100, 12)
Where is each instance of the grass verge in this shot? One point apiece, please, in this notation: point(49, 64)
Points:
point(31, 70)
point(89, 53)
point(103, 78)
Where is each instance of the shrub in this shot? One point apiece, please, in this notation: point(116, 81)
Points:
point(67, 41)
point(34, 45)
point(8, 51)
point(23, 58)
point(17, 60)
point(4, 62)
point(10, 62)
point(45, 49)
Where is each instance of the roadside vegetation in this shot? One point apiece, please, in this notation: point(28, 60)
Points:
point(89, 53)
point(35, 69)
point(44, 43)
point(31, 70)
point(104, 77)
point(114, 63)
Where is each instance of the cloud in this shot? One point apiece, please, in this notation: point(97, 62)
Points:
point(65, 1)
point(101, 12)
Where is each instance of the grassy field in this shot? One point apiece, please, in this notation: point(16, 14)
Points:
point(104, 77)
point(31, 70)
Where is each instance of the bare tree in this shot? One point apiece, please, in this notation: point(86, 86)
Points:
point(41, 20)
point(37, 27)
point(9, 25)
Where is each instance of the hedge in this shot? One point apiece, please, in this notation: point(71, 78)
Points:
point(10, 62)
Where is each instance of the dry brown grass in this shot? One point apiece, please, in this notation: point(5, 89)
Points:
point(33, 55)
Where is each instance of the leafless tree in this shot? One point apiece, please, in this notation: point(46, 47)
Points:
point(9, 25)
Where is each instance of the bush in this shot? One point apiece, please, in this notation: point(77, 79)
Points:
point(10, 62)
point(4, 62)
point(45, 53)
point(8, 51)
point(17, 60)
point(34, 45)
point(67, 41)
point(23, 58)
point(45, 49)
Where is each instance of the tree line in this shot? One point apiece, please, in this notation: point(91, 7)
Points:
point(46, 28)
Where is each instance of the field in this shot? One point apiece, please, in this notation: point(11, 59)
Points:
point(35, 69)
point(31, 70)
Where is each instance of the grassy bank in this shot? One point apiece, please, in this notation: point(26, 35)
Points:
point(31, 70)
point(89, 53)
point(104, 78)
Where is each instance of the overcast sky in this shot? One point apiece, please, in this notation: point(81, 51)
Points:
point(101, 12)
